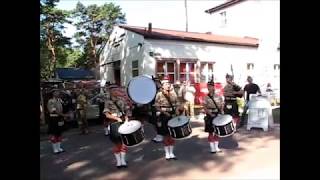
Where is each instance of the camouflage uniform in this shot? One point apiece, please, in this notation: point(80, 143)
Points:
point(110, 107)
point(82, 113)
point(230, 102)
point(163, 105)
point(210, 106)
point(211, 112)
point(119, 148)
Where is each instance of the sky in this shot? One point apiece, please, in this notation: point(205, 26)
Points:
point(165, 14)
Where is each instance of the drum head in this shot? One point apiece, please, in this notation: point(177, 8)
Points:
point(222, 119)
point(178, 121)
point(142, 89)
point(129, 127)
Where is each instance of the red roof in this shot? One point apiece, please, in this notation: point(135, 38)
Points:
point(156, 33)
point(223, 6)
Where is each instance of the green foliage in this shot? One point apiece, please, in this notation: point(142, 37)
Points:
point(94, 25)
point(53, 45)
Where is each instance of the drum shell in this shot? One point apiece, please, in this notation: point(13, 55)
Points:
point(180, 131)
point(224, 130)
point(133, 138)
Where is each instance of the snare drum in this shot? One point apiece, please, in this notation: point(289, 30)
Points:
point(131, 133)
point(223, 125)
point(179, 127)
point(142, 89)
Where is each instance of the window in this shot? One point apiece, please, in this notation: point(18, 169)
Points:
point(177, 69)
point(250, 66)
point(206, 71)
point(223, 18)
point(167, 68)
point(135, 68)
point(187, 71)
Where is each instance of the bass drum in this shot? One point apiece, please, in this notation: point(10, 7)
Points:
point(179, 127)
point(131, 133)
point(142, 89)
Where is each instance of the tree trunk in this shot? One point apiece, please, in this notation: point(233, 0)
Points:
point(93, 51)
point(52, 49)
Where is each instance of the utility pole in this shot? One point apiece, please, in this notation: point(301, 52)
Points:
point(185, 5)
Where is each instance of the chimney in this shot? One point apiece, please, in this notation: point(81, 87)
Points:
point(149, 27)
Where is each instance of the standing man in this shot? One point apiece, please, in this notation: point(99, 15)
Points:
point(56, 122)
point(250, 88)
point(189, 98)
point(213, 105)
point(115, 111)
point(231, 92)
point(166, 102)
point(82, 112)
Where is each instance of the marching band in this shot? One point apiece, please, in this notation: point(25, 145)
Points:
point(168, 115)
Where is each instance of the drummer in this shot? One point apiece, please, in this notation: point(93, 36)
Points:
point(115, 110)
point(212, 111)
point(167, 110)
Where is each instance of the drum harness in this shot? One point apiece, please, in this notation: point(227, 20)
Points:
point(168, 99)
point(219, 112)
point(173, 111)
point(122, 116)
point(122, 113)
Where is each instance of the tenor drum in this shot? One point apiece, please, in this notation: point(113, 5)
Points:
point(131, 133)
point(142, 89)
point(223, 125)
point(179, 127)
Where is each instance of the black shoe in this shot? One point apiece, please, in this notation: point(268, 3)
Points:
point(213, 152)
point(118, 167)
point(168, 159)
point(174, 158)
point(124, 166)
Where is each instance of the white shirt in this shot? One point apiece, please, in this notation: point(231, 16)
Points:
point(189, 95)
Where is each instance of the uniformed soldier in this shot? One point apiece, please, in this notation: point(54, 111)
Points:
point(210, 103)
point(167, 110)
point(56, 122)
point(231, 92)
point(115, 111)
point(82, 112)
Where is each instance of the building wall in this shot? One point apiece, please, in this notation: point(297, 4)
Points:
point(222, 55)
point(126, 52)
point(260, 19)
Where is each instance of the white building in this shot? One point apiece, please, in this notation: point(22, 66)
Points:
point(257, 18)
point(197, 57)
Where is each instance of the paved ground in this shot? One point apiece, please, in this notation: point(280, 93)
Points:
point(246, 155)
